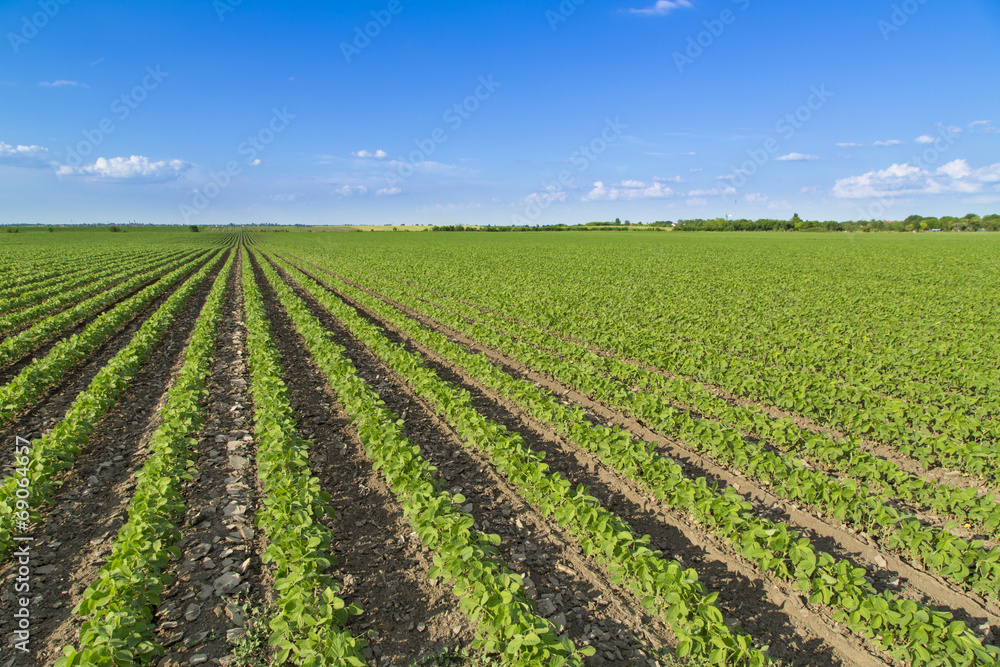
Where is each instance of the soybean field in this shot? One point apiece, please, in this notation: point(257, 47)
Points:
point(252, 447)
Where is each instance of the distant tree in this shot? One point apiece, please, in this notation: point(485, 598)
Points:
point(194, 228)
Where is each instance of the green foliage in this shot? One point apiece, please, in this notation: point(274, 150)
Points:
point(55, 453)
point(307, 626)
point(627, 330)
point(664, 586)
point(490, 595)
point(253, 648)
point(112, 290)
point(119, 606)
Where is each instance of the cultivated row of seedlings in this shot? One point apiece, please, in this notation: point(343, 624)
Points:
point(488, 593)
point(17, 346)
point(309, 618)
point(55, 452)
point(908, 630)
point(969, 564)
point(44, 269)
point(877, 354)
point(846, 456)
point(664, 587)
point(32, 304)
point(932, 434)
point(33, 380)
point(119, 605)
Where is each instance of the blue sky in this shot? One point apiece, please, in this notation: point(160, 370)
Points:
point(402, 111)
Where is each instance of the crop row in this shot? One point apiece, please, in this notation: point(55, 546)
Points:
point(35, 378)
point(845, 455)
point(969, 564)
point(664, 587)
point(310, 617)
point(772, 547)
point(932, 436)
point(667, 329)
point(73, 291)
point(29, 274)
point(36, 292)
point(96, 269)
point(119, 604)
point(33, 484)
point(12, 349)
point(488, 593)
point(743, 308)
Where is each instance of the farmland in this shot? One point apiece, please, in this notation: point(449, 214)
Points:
point(236, 446)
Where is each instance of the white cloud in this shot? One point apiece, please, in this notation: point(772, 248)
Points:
point(388, 192)
point(377, 155)
point(984, 126)
point(627, 190)
point(351, 190)
point(550, 195)
point(668, 179)
point(662, 7)
point(755, 198)
point(287, 197)
point(62, 82)
point(255, 162)
point(849, 144)
point(714, 192)
point(925, 139)
point(425, 167)
point(689, 153)
point(697, 201)
point(905, 179)
point(956, 169)
point(136, 167)
point(797, 157)
point(889, 142)
point(24, 156)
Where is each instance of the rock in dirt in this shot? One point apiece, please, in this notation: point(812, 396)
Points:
point(227, 581)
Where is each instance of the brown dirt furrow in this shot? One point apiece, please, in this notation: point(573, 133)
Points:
point(768, 609)
point(890, 571)
point(75, 535)
point(381, 562)
point(51, 407)
point(202, 614)
point(566, 587)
